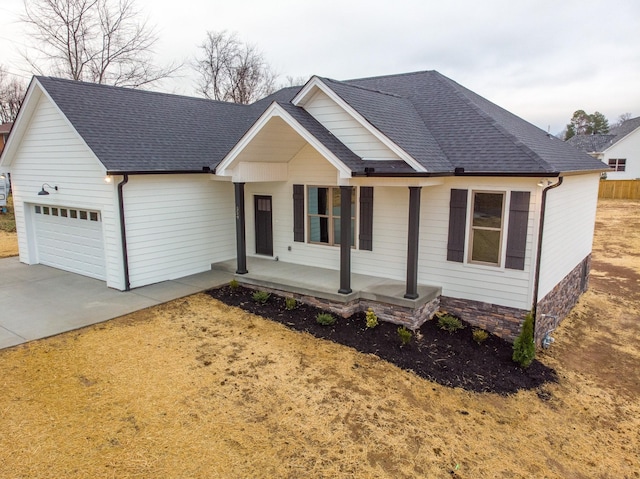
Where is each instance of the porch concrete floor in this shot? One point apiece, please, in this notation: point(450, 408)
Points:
point(324, 283)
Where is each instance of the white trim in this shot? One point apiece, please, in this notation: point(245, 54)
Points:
point(29, 106)
point(316, 83)
point(621, 140)
point(275, 110)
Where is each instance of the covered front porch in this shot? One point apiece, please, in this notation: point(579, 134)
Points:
point(317, 286)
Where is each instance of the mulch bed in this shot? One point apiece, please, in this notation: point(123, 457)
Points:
point(451, 359)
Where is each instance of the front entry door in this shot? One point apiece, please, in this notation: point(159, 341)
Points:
point(264, 228)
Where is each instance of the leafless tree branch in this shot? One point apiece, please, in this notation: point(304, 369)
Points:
point(12, 91)
point(229, 70)
point(99, 41)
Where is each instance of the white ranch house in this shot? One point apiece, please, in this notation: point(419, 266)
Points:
point(410, 179)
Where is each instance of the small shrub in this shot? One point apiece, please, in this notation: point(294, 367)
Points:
point(261, 297)
point(290, 303)
point(480, 335)
point(372, 319)
point(233, 284)
point(450, 323)
point(405, 335)
point(524, 348)
point(325, 319)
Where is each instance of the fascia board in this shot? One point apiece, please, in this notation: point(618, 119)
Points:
point(275, 110)
point(622, 140)
point(307, 92)
point(22, 120)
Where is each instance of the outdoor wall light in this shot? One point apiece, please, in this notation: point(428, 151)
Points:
point(107, 179)
point(545, 182)
point(43, 192)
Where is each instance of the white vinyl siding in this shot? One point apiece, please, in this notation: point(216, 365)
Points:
point(347, 129)
point(177, 225)
point(52, 152)
point(490, 284)
point(569, 226)
point(388, 258)
point(629, 149)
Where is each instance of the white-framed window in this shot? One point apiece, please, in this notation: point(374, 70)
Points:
point(323, 215)
point(618, 164)
point(487, 226)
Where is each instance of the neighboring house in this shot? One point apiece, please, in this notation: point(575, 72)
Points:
point(411, 177)
point(619, 149)
point(5, 128)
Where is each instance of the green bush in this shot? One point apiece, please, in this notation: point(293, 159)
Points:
point(372, 319)
point(524, 347)
point(261, 297)
point(233, 284)
point(405, 335)
point(480, 335)
point(290, 303)
point(450, 323)
point(325, 319)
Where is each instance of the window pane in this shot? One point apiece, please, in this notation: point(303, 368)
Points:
point(38, 210)
point(45, 210)
point(318, 201)
point(486, 246)
point(54, 211)
point(318, 229)
point(63, 212)
point(487, 210)
point(93, 216)
point(336, 231)
point(335, 193)
point(73, 213)
point(83, 215)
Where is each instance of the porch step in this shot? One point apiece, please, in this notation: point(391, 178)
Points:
point(323, 283)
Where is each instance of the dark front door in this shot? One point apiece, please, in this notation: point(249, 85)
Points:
point(264, 229)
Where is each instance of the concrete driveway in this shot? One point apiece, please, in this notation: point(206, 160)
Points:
point(38, 301)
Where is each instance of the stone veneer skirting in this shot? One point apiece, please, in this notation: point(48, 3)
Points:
point(412, 318)
point(557, 304)
point(502, 321)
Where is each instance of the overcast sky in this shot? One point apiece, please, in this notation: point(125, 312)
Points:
point(540, 59)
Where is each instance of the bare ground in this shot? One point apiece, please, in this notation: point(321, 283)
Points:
point(195, 388)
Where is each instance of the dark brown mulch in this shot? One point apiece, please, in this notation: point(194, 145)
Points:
point(451, 359)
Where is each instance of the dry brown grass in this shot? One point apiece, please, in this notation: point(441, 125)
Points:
point(195, 388)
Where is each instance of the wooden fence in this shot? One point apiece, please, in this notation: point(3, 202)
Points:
point(619, 189)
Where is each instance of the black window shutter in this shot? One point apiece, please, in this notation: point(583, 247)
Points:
point(366, 218)
point(457, 225)
point(298, 213)
point(517, 233)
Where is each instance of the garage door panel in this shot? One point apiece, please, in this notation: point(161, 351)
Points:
point(70, 243)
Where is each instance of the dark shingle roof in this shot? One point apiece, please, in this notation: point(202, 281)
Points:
point(441, 124)
point(136, 130)
point(476, 134)
point(599, 143)
point(591, 143)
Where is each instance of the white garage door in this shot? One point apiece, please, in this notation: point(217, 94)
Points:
point(70, 239)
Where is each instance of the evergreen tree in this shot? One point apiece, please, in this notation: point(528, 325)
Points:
point(524, 348)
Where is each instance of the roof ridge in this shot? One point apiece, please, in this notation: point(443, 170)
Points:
point(392, 75)
point(458, 90)
point(359, 87)
point(136, 90)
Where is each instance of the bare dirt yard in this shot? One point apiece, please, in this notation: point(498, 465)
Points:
point(198, 389)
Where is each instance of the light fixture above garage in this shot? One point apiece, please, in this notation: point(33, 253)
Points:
point(43, 192)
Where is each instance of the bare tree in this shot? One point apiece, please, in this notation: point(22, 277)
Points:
point(230, 70)
point(100, 41)
point(621, 119)
point(12, 91)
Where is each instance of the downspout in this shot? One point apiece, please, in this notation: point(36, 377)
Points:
point(123, 233)
point(543, 209)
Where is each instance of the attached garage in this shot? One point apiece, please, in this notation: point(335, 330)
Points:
point(70, 239)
